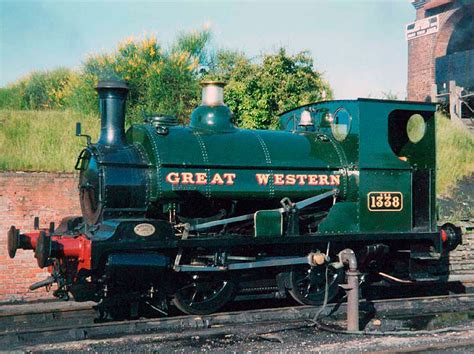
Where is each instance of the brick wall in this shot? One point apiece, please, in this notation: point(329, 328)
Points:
point(421, 68)
point(24, 195)
point(423, 51)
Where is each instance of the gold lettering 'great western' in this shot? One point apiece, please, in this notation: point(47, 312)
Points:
point(200, 178)
point(262, 179)
point(280, 179)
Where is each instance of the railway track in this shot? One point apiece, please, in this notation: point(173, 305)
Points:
point(168, 327)
point(58, 313)
point(41, 314)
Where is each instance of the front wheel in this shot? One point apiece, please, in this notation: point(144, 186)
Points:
point(307, 285)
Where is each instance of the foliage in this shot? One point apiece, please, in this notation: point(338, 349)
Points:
point(160, 81)
point(166, 81)
point(389, 95)
point(81, 96)
point(258, 92)
point(42, 140)
point(39, 90)
point(44, 90)
point(11, 96)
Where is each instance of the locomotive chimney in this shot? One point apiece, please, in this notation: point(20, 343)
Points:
point(112, 97)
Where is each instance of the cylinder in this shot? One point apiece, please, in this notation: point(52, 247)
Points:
point(112, 98)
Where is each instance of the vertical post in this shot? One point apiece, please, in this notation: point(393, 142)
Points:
point(353, 301)
point(454, 101)
point(434, 93)
point(348, 257)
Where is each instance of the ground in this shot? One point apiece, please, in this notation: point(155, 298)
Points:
point(251, 338)
point(460, 202)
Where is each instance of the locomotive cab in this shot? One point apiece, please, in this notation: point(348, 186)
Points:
point(386, 166)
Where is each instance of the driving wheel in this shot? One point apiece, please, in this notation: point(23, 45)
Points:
point(204, 295)
point(307, 285)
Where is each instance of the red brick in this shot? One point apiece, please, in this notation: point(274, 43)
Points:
point(423, 51)
point(24, 195)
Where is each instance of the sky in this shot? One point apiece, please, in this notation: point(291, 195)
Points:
point(358, 45)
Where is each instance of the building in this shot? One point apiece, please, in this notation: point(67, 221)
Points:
point(441, 52)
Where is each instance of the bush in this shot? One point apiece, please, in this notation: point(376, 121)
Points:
point(37, 91)
point(80, 95)
point(45, 89)
point(11, 97)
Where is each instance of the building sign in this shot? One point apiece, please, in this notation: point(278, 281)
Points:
point(418, 3)
point(422, 27)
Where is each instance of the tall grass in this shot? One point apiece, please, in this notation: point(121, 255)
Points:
point(455, 153)
point(42, 140)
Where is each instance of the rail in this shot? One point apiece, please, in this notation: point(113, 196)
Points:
point(18, 338)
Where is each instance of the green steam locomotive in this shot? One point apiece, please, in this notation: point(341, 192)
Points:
point(199, 215)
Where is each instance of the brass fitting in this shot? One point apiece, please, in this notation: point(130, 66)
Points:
point(316, 259)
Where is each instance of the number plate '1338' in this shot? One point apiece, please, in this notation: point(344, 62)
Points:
point(385, 201)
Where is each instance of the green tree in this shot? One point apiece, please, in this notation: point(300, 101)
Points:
point(258, 92)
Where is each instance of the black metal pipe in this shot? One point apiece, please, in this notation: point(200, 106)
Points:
point(112, 98)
